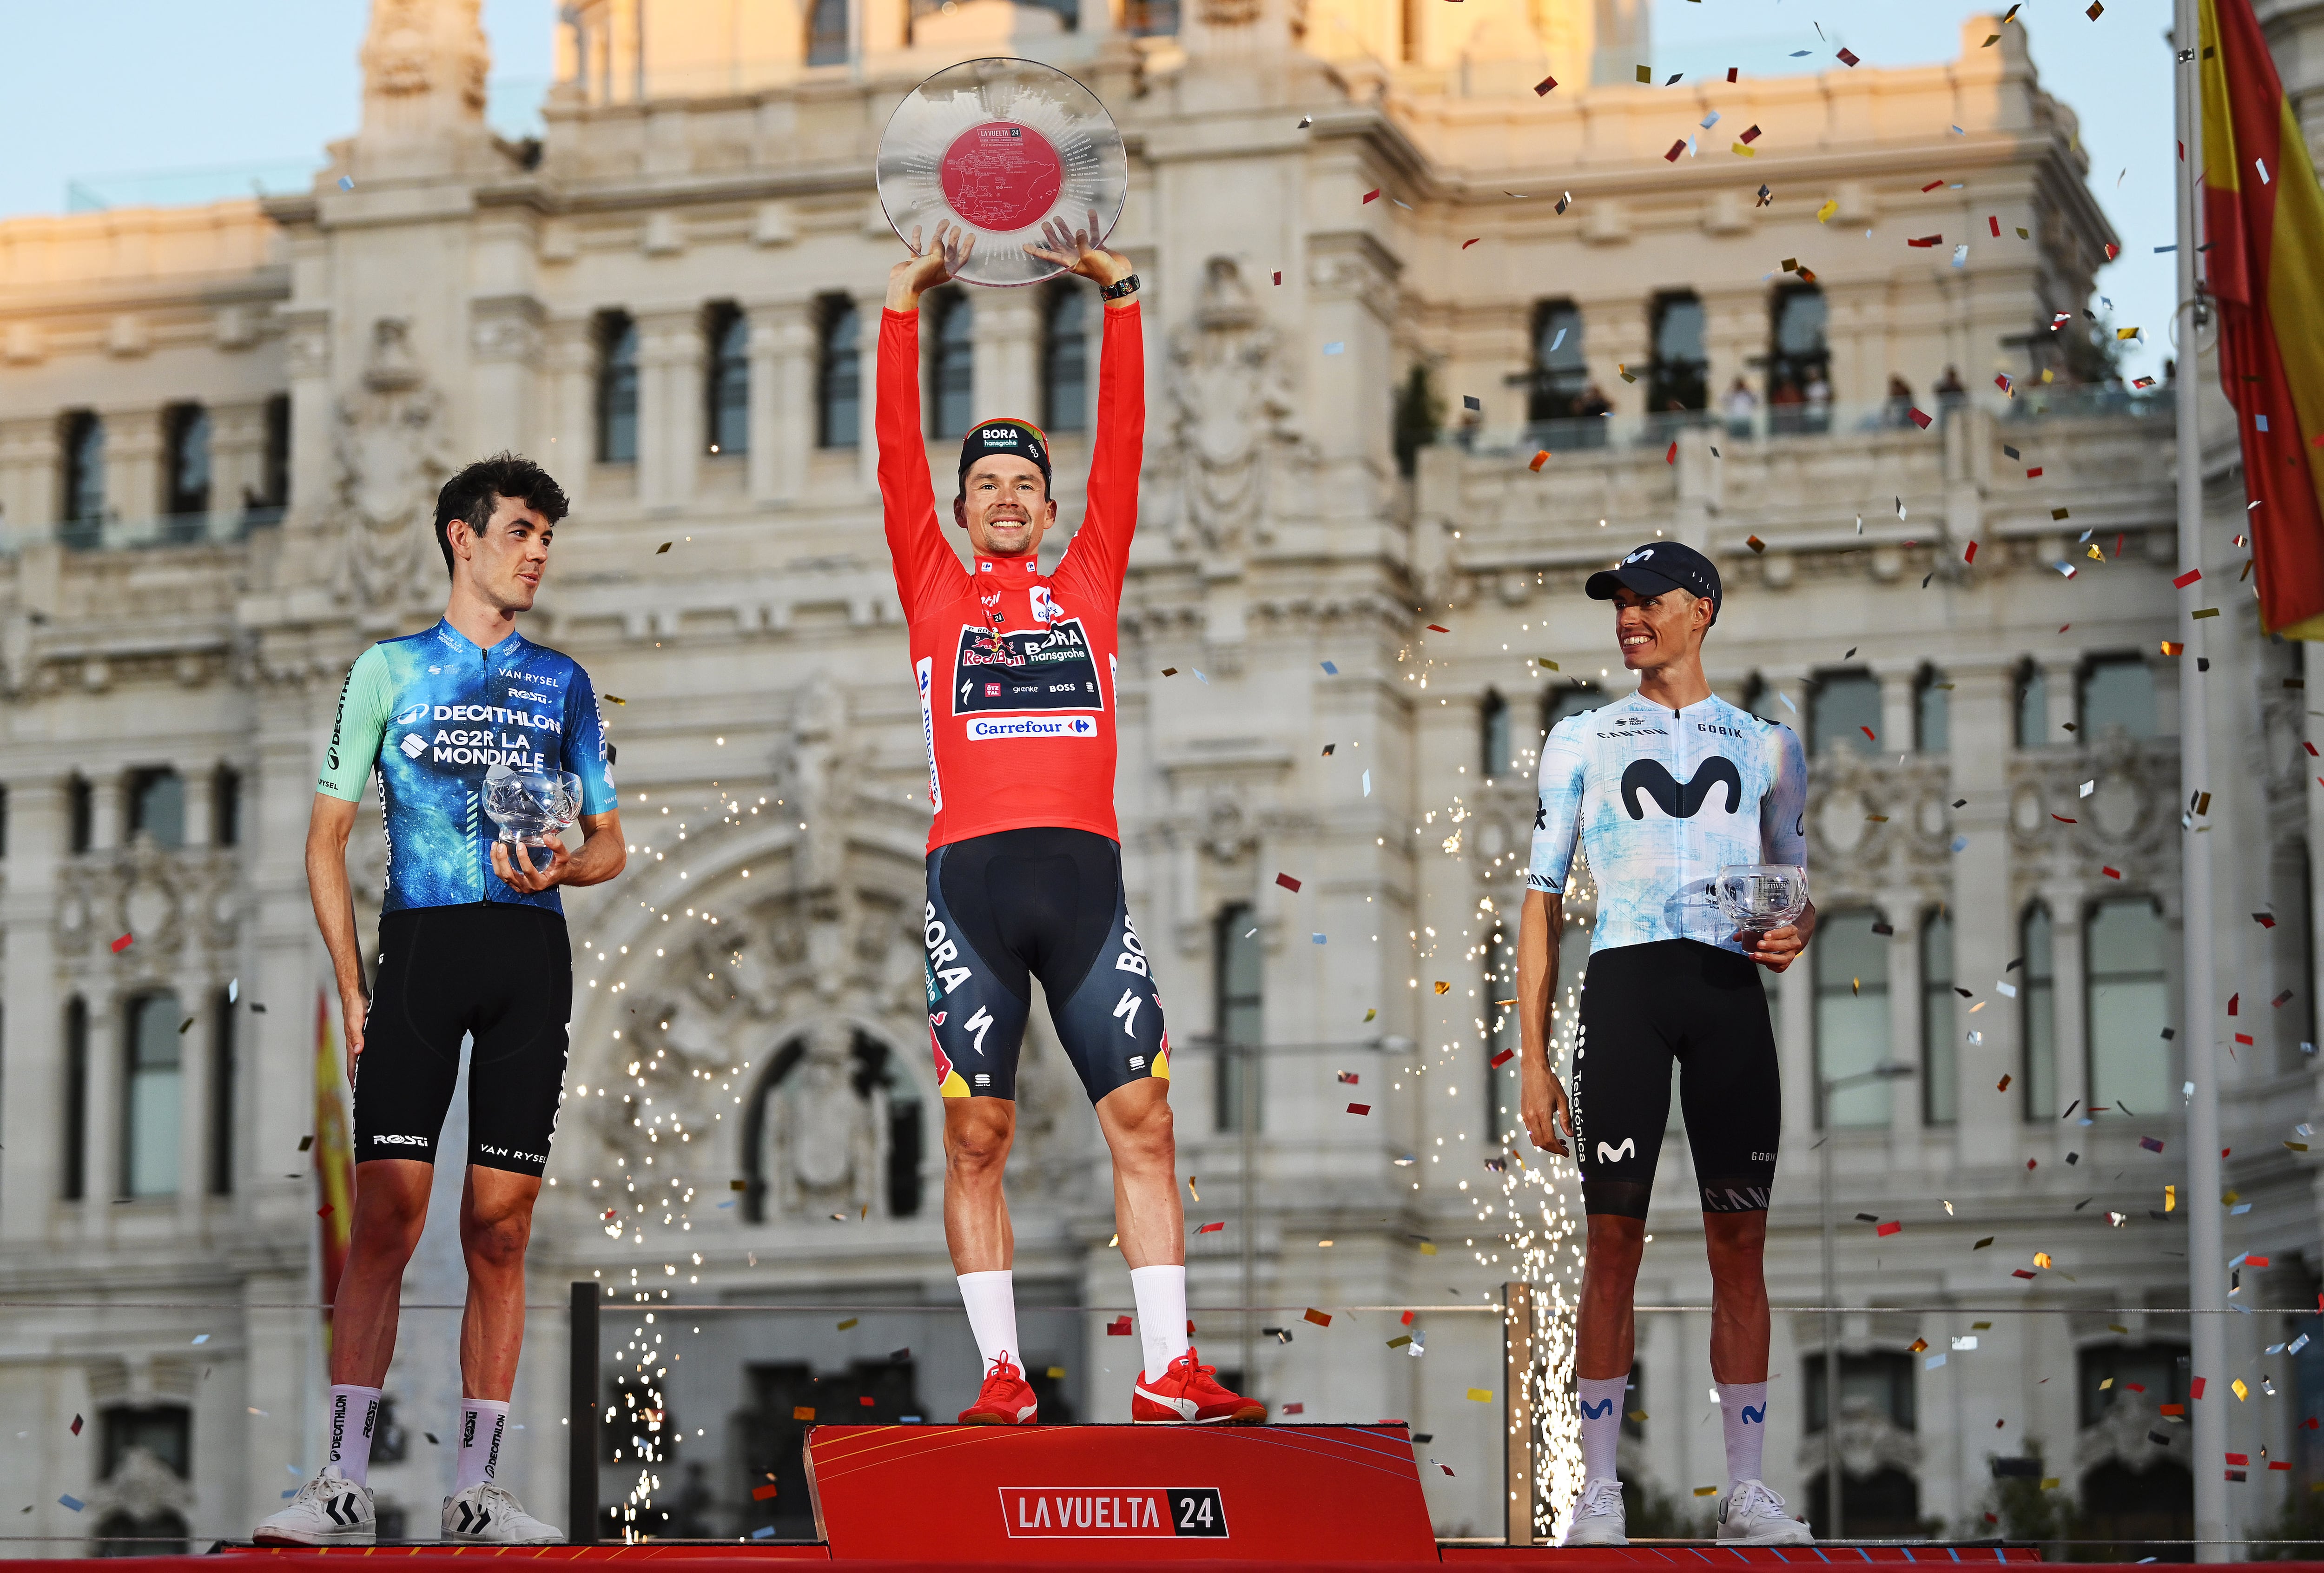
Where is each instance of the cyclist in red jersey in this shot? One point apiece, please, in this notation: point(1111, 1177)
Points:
point(1016, 677)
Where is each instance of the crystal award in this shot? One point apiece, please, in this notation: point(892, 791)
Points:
point(1760, 896)
point(532, 807)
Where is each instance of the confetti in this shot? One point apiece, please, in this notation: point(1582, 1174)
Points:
point(1846, 58)
point(1480, 1395)
point(665, 546)
point(1337, 347)
point(1464, 245)
point(1287, 883)
point(1539, 459)
point(802, 1412)
point(1371, 195)
point(1332, 669)
point(74, 1502)
point(1359, 1108)
point(1438, 628)
point(1444, 987)
point(1118, 1328)
point(1891, 1227)
point(849, 1323)
point(2152, 1144)
point(1541, 88)
point(1321, 1319)
point(2003, 1085)
point(1676, 148)
point(1212, 1228)
point(2189, 577)
point(1919, 418)
point(1503, 1057)
point(121, 944)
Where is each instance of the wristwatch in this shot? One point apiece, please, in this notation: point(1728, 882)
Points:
point(1115, 291)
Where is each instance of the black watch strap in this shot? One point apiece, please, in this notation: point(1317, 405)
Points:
point(1115, 291)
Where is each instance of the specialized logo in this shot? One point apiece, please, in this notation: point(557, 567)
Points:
point(979, 1024)
point(1610, 1153)
point(1651, 777)
point(1099, 1513)
point(1598, 1411)
point(1753, 1417)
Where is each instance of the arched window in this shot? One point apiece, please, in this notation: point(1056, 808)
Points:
point(1064, 359)
point(1933, 711)
point(150, 1116)
point(838, 375)
point(617, 388)
point(727, 381)
point(832, 1104)
point(2037, 1008)
point(1885, 1504)
point(1675, 376)
point(1493, 735)
point(826, 33)
point(1560, 370)
point(1799, 388)
point(1940, 1022)
point(84, 498)
point(2118, 695)
point(2033, 705)
point(189, 460)
point(952, 364)
point(72, 1183)
point(2129, 1006)
point(157, 805)
point(1851, 1012)
point(1840, 707)
point(141, 1445)
point(225, 1063)
point(1238, 981)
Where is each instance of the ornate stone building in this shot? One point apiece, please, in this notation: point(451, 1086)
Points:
point(221, 429)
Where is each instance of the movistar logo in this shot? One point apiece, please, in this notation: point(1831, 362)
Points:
point(1680, 802)
point(1598, 1411)
point(1753, 1417)
point(1610, 1153)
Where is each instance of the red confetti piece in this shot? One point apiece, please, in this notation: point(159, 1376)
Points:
point(1118, 1328)
point(2152, 1144)
point(2238, 1458)
point(1671, 456)
point(761, 1493)
point(1970, 555)
point(2263, 920)
point(2135, 1386)
point(1295, 1409)
point(1320, 1319)
point(1867, 733)
point(1539, 459)
point(2064, 820)
point(2020, 1272)
point(2245, 1039)
point(1995, 221)
point(1438, 628)
point(2112, 252)
point(1503, 1057)
point(1541, 88)
point(1932, 185)
point(1212, 1228)
point(1927, 240)
point(2189, 577)
point(865, 1401)
point(1369, 196)
point(324, 1211)
point(2278, 1464)
point(2282, 999)
point(1731, 73)
point(121, 944)
point(1677, 148)
point(1890, 1227)
point(1919, 418)
point(2308, 745)
point(1351, 1078)
point(2235, 1001)
point(2194, 1390)
point(1278, 275)
point(1464, 245)
point(76, 1425)
point(1359, 1108)
point(2255, 1261)
point(2173, 647)
point(2110, 873)
point(2033, 472)
point(1846, 58)
point(1287, 883)
point(1406, 1318)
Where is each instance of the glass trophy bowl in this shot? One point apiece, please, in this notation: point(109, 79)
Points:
point(532, 807)
point(1759, 896)
point(1001, 147)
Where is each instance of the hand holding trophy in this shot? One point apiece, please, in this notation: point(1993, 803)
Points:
point(1764, 900)
point(533, 808)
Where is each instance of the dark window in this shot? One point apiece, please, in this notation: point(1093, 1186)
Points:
point(150, 1119)
point(1765, 700)
point(1238, 980)
point(157, 805)
point(1841, 706)
point(2118, 695)
point(277, 452)
point(390, 1441)
point(81, 804)
point(1064, 359)
point(1940, 1022)
point(768, 1431)
point(1932, 728)
point(84, 499)
point(223, 1067)
point(1493, 735)
point(952, 364)
point(1879, 1384)
point(728, 385)
point(2037, 1004)
point(2032, 707)
point(1570, 700)
point(838, 376)
point(189, 460)
point(870, 1068)
point(2129, 1005)
point(617, 388)
point(3, 821)
point(2147, 1509)
point(1675, 376)
point(1885, 1504)
point(74, 1181)
point(1150, 18)
point(2141, 1375)
point(1560, 371)
point(826, 33)
point(166, 1432)
point(1799, 389)
point(225, 808)
point(1851, 1012)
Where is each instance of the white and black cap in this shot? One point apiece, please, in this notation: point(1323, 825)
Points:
point(1656, 566)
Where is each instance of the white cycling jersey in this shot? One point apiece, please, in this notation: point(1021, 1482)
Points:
point(1660, 800)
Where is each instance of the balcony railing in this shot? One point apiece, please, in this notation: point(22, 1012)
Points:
point(112, 534)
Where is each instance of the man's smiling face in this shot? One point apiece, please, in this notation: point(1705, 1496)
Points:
point(1654, 631)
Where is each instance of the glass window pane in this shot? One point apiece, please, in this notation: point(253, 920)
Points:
point(826, 33)
point(617, 391)
point(189, 461)
point(157, 807)
point(2037, 996)
point(84, 468)
point(1842, 704)
point(1493, 736)
point(1560, 371)
point(730, 383)
point(1677, 380)
point(840, 387)
point(2032, 708)
point(2129, 1006)
point(1241, 969)
point(1940, 1022)
point(1851, 1022)
point(150, 1155)
point(1065, 361)
point(2118, 695)
point(1570, 700)
point(1932, 720)
point(952, 372)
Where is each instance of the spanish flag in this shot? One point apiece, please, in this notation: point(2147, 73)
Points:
point(335, 1167)
point(2263, 218)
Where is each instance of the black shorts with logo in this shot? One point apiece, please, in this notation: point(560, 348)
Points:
point(1015, 905)
point(497, 970)
point(1643, 1007)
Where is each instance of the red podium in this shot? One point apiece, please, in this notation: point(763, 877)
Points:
point(1128, 1493)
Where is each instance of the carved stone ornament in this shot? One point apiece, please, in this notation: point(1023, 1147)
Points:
point(825, 1146)
point(391, 451)
point(1229, 437)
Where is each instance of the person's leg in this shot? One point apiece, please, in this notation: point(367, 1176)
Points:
point(977, 1134)
point(1136, 1120)
point(1740, 1330)
point(1605, 1336)
point(391, 1206)
point(495, 1227)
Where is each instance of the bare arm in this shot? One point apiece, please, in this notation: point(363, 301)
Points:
point(1541, 1096)
point(327, 828)
point(603, 853)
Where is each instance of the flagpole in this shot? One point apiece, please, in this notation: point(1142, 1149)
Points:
point(2205, 1247)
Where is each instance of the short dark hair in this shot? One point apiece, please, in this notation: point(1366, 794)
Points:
point(471, 495)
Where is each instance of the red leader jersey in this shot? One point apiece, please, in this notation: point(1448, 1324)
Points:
point(1016, 668)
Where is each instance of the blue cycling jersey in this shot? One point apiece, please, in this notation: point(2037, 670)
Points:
point(1660, 800)
point(435, 712)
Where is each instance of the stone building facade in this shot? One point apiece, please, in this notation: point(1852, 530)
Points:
point(221, 430)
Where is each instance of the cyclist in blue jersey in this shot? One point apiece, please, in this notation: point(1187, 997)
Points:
point(472, 944)
point(1661, 791)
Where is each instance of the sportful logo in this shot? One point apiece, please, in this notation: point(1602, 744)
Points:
point(1598, 1411)
point(1680, 802)
point(1610, 1153)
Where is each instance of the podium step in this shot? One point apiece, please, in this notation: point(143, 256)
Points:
point(1119, 1494)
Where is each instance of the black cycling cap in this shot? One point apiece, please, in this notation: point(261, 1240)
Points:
point(1656, 566)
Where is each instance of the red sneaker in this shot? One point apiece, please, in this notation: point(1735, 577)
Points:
point(1004, 1399)
point(1187, 1394)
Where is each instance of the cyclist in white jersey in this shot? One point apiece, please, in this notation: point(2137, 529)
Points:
point(1661, 791)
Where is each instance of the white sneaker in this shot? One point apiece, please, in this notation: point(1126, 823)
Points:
point(330, 1510)
point(488, 1515)
point(1597, 1518)
point(1753, 1514)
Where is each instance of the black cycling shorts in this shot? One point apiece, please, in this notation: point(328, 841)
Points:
point(1015, 905)
point(1642, 1007)
point(495, 969)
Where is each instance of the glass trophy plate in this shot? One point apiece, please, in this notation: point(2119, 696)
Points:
point(1759, 896)
point(531, 806)
point(1001, 147)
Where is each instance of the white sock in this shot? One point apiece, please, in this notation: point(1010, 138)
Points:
point(483, 1421)
point(355, 1415)
point(992, 1301)
point(1602, 1423)
point(1161, 1296)
point(1743, 1415)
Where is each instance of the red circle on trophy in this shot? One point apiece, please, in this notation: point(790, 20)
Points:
point(1001, 176)
point(1001, 147)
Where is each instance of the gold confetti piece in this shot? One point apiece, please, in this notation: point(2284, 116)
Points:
point(849, 1323)
point(1749, 153)
point(1057, 1373)
point(1546, 661)
point(2040, 1259)
point(1638, 1415)
point(1399, 1342)
point(802, 1412)
point(2169, 1198)
point(2240, 1390)
point(615, 699)
point(2112, 1328)
point(1169, 671)
point(1979, 1327)
point(2049, 1482)
point(1442, 987)
point(1981, 1244)
point(1918, 1345)
point(1480, 1395)
point(1427, 1249)
point(738, 1185)
point(1110, 1245)
point(1827, 210)
point(1191, 1190)
point(2107, 1384)
point(1706, 1490)
point(665, 546)
point(1990, 40)
point(1876, 819)
point(1539, 459)
point(1370, 1014)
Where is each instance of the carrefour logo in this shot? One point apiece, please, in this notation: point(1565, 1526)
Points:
point(987, 728)
point(413, 714)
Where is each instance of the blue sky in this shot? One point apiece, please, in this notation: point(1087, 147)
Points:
point(236, 85)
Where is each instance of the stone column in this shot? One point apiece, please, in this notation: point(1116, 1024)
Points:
point(1007, 333)
point(1983, 705)
point(200, 781)
point(573, 383)
point(2061, 677)
point(1899, 723)
point(868, 309)
point(31, 473)
point(783, 398)
point(2069, 967)
point(1796, 987)
point(307, 350)
point(504, 345)
point(102, 1115)
point(1902, 908)
point(237, 460)
point(32, 1116)
point(133, 453)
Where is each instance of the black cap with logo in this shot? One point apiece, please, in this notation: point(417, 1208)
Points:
point(1656, 566)
point(1005, 435)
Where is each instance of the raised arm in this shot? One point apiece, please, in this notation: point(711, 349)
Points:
point(924, 563)
point(1101, 547)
